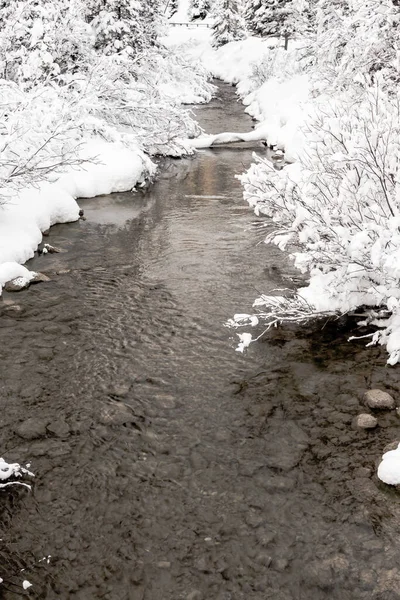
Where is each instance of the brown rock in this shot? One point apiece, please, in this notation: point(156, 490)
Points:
point(39, 277)
point(365, 421)
point(391, 446)
point(31, 429)
point(59, 428)
point(117, 413)
point(379, 400)
point(16, 285)
point(53, 249)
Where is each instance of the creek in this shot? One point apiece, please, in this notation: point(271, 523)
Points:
point(168, 466)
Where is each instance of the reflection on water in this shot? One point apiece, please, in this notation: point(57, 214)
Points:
point(117, 209)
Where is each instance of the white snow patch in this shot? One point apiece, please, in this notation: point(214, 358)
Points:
point(114, 168)
point(389, 468)
point(244, 341)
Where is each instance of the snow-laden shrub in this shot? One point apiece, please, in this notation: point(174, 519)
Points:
point(140, 101)
point(37, 136)
point(356, 40)
point(338, 210)
point(275, 62)
point(136, 102)
point(43, 41)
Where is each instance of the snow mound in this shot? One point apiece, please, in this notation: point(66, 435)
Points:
point(389, 468)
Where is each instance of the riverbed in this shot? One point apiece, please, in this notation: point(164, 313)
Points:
point(168, 466)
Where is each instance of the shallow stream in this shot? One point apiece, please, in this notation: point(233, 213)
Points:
point(170, 467)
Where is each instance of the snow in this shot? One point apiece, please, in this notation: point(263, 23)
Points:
point(34, 210)
point(105, 132)
point(244, 341)
point(182, 14)
point(26, 584)
point(12, 470)
point(389, 468)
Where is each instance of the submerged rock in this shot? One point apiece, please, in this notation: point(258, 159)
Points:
point(40, 277)
point(13, 309)
point(285, 449)
point(117, 413)
point(379, 400)
point(366, 421)
point(31, 429)
point(59, 428)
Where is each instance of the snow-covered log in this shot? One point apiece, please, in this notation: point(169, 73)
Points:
point(206, 141)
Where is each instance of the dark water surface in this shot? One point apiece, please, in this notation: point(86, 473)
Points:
point(168, 466)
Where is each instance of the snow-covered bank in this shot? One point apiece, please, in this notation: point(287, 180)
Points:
point(271, 86)
point(112, 168)
point(87, 142)
point(339, 206)
point(337, 117)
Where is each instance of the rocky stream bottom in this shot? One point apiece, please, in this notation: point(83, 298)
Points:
point(168, 466)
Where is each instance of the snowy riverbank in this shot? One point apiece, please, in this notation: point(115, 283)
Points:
point(97, 154)
point(336, 208)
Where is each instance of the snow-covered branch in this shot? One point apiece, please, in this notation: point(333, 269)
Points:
point(272, 311)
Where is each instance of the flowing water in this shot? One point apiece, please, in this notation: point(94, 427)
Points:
point(168, 466)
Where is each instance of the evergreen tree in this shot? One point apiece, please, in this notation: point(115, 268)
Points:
point(228, 24)
point(42, 40)
point(172, 7)
point(277, 17)
point(199, 9)
point(124, 26)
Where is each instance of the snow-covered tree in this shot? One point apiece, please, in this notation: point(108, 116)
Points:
point(125, 26)
point(199, 9)
point(43, 40)
point(358, 40)
point(277, 17)
point(172, 8)
point(228, 23)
